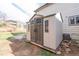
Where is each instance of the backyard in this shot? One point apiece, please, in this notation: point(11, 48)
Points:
point(13, 42)
point(9, 46)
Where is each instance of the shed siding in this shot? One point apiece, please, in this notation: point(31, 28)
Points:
point(54, 34)
point(66, 10)
point(50, 36)
point(28, 32)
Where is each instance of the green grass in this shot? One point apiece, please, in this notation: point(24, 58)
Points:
point(5, 35)
point(8, 35)
point(44, 52)
point(17, 33)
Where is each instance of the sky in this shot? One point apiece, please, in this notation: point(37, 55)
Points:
point(19, 10)
point(22, 10)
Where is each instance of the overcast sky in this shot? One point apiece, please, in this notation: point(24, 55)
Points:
point(19, 10)
point(22, 10)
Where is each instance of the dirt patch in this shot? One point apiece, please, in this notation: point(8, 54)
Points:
point(17, 48)
point(68, 48)
point(5, 49)
point(21, 48)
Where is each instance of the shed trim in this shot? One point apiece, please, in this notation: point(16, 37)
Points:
point(42, 7)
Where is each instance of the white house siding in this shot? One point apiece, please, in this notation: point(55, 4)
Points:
point(66, 10)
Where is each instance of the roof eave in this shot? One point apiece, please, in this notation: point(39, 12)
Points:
point(44, 6)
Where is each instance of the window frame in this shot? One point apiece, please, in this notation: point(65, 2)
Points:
point(75, 23)
point(77, 20)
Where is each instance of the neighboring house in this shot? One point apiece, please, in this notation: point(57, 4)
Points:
point(15, 23)
point(51, 21)
point(11, 22)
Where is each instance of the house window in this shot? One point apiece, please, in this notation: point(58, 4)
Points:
point(77, 20)
point(74, 20)
point(46, 26)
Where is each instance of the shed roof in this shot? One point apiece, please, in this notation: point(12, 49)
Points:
point(43, 6)
point(35, 15)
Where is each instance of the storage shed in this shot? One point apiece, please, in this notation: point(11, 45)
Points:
point(45, 31)
point(55, 19)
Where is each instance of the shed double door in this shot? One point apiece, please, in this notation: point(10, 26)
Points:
point(37, 31)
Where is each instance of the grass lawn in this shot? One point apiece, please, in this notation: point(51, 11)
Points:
point(5, 35)
point(17, 33)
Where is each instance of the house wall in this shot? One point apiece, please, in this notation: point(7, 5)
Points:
point(66, 10)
